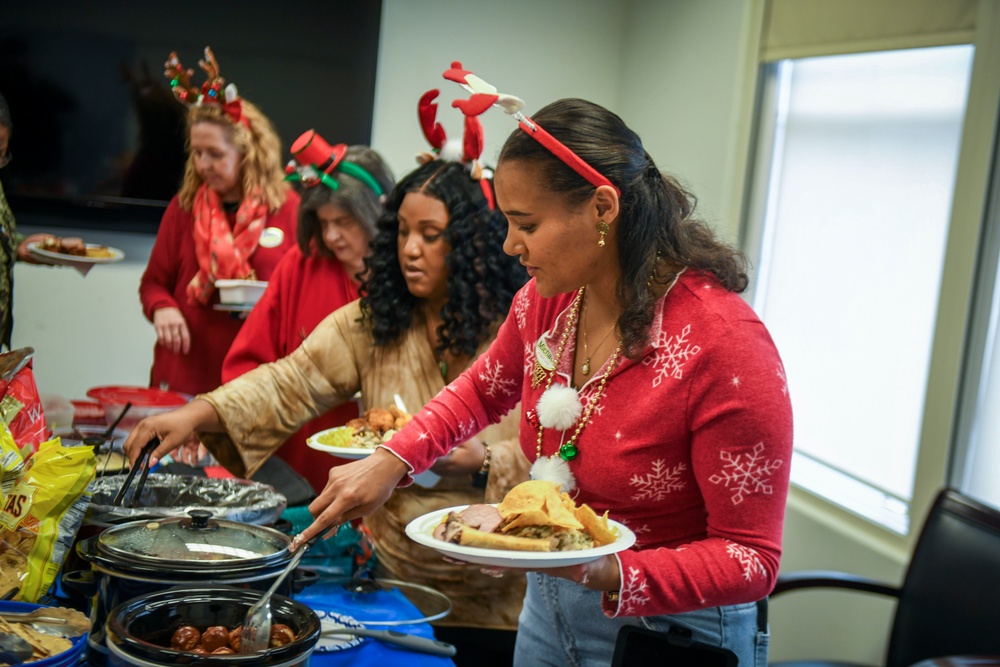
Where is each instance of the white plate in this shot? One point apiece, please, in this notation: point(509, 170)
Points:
point(421, 531)
point(62, 258)
point(342, 452)
point(334, 621)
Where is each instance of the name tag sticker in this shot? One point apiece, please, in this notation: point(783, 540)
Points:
point(271, 237)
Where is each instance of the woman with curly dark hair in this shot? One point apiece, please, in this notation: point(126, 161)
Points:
point(437, 287)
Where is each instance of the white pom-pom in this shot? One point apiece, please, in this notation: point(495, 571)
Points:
point(451, 151)
point(231, 93)
point(554, 469)
point(559, 407)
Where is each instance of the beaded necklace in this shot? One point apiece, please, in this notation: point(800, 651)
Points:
point(569, 450)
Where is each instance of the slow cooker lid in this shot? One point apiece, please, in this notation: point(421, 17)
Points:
point(196, 540)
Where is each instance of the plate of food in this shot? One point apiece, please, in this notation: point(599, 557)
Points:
point(75, 251)
point(359, 437)
point(535, 527)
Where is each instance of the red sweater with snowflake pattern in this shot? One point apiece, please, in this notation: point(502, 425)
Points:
point(689, 446)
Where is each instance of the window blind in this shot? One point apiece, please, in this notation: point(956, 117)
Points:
point(807, 28)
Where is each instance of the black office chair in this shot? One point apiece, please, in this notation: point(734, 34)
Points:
point(949, 602)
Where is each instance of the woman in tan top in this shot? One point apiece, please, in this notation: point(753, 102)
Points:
point(438, 286)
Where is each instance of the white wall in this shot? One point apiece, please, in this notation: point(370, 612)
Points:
point(538, 51)
point(86, 330)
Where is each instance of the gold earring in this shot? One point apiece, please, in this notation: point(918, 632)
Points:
point(602, 229)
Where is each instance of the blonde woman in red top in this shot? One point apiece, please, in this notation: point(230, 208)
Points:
point(234, 218)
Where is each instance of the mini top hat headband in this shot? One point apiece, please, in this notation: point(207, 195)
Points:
point(316, 160)
point(211, 92)
point(472, 139)
point(485, 95)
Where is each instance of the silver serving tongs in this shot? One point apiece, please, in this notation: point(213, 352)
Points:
point(141, 462)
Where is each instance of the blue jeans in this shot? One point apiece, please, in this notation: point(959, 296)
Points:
point(561, 624)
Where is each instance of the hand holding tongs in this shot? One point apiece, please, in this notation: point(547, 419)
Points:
point(142, 461)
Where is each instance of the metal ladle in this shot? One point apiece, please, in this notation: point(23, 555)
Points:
point(14, 650)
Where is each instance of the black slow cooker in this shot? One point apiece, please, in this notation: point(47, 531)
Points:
point(139, 631)
point(141, 557)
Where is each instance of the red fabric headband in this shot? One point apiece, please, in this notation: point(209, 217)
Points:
point(485, 95)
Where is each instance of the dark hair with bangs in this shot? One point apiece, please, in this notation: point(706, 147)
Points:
point(657, 234)
point(482, 279)
point(352, 195)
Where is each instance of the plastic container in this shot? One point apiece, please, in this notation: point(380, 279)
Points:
point(240, 291)
point(58, 412)
point(145, 402)
point(64, 659)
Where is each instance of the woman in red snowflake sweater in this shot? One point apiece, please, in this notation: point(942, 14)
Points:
point(646, 384)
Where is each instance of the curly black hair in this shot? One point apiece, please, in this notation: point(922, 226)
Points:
point(482, 279)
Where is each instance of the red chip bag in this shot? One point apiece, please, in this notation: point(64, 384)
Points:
point(20, 404)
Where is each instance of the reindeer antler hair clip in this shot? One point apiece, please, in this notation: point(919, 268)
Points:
point(211, 92)
point(316, 161)
point(471, 147)
point(485, 95)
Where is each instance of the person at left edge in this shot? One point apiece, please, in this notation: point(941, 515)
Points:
point(234, 218)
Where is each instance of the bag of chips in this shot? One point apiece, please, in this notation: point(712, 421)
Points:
point(20, 405)
point(41, 511)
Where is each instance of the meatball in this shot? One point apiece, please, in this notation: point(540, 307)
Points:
point(185, 638)
point(223, 649)
point(281, 634)
point(215, 637)
point(235, 637)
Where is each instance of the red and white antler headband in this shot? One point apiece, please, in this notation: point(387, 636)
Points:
point(485, 95)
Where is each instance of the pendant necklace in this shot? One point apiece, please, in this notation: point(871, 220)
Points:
point(585, 368)
point(556, 468)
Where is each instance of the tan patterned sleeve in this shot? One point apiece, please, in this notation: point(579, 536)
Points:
point(260, 409)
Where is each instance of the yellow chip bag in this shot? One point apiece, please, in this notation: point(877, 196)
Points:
point(40, 515)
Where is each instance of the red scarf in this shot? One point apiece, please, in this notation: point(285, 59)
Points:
point(223, 252)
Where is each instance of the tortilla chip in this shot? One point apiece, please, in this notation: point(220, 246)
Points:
point(470, 537)
point(536, 503)
point(597, 526)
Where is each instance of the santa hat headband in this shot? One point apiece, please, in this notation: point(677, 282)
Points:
point(211, 92)
point(316, 161)
point(472, 140)
point(485, 95)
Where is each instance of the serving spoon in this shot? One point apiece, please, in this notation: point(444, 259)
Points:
point(256, 632)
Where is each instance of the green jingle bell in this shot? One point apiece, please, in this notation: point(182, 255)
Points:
point(568, 452)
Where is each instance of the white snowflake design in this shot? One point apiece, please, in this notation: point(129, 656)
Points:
point(521, 309)
point(746, 474)
point(466, 430)
point(494, 382)
point(529, 358)
point(784, 380)
point(638, 530)
point(657, 484)
point(748, 559)
point(672, 352)
point(633, 593)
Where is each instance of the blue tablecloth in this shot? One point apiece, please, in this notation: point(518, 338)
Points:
point(378, 606)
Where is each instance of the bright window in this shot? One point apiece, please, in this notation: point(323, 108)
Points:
point(853, 187)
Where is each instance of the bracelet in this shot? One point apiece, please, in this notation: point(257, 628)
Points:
point(480, 476)
point(612, 596)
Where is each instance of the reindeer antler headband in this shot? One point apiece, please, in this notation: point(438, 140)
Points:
point(485, 95)
point(472, 139)
point(316, 160)
point(211, 92)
